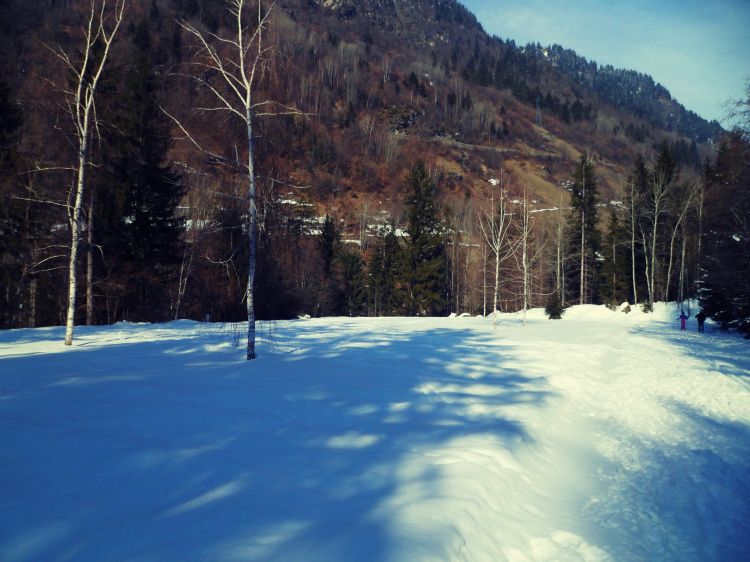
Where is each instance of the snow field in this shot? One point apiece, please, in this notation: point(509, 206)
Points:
point(600, 437)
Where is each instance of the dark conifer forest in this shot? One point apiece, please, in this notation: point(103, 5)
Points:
point(389, 162)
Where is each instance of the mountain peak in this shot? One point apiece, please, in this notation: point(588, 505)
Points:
point(403, 15)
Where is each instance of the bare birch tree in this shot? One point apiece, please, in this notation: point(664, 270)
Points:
point(102, 25)
point(633, 234)
point(660, 189)
point(525, 254)
point(494, 222)
point(239, 63)
point(559, 254)
point(682, 212)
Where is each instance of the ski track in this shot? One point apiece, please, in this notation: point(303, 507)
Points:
point(598, 438)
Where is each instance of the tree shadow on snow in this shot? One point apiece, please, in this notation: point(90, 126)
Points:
point(726, 352)
point(683, 493)
point(179, 449)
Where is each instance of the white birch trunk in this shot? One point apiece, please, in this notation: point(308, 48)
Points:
point(558, 262)
point(484, 280)
point(681, 287)
point(582, 288)
point(90, 264)
point(81, 105)
point(496, 289)
point(525, 257)
point(633, 242)
point(185, 266)
point(75, 227)
point(252, 228)
point(677, 227)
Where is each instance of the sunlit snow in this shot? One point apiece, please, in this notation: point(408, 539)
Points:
point(604, 436)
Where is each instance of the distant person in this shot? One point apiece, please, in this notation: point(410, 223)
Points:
point(701, 318)
point(683, 319)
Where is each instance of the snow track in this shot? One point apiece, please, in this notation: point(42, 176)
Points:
point(598, 438)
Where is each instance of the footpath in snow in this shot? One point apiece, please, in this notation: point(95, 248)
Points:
point(600, 437)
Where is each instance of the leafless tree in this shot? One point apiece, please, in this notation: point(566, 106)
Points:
point(494, 221)
point(660, 189)
point(560, 252)
point(684, 206)
point(102, 24)
point(526, 254)
point(633, 218)
point(240, 62)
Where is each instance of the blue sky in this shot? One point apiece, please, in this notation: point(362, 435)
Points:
point(698, 49)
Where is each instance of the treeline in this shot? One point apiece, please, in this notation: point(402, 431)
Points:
point(164, 224)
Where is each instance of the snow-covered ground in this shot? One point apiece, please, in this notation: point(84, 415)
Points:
point(603, 436)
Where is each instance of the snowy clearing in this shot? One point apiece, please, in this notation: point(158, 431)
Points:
point(601, 437)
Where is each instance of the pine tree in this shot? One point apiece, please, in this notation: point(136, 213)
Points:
point(11, 214)
point(352, 283)
point(328, 243)
point(143, 237)
point(385, 268)
point(583, 236)
point(427, 259)
point(725, 266)
point(330, 299)
point(615, 278)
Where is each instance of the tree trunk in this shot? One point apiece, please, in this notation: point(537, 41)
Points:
point(614, 270)
point(484, 281)
point(525, 259)
point(187, 262)
point(32, 303)
point(681, 287)
point(252, 228)
point(90, 264)
point(75, 227)
point(654, 237)
point(632, 243)
point(648, 272)
point(497, 286)
point(558, 261)
point(582, 288)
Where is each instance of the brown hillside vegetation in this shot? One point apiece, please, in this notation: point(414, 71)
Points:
point(375, 87)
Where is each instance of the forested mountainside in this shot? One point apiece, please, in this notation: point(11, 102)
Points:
point(348, 222)
point(437, 24)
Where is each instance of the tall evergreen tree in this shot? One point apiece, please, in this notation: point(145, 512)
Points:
point(353, 290)
point(11, 213)
point(385, 268)
point(329, 292)
point(725, 266)
point(584, 240)
point(141, 240)
point(427, 263)
point(328, 243)
point(615, 279)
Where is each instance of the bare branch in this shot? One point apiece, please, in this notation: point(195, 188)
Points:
point(191, 139)
point(45, 202)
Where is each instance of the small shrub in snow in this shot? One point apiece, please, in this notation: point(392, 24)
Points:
point(554, 309)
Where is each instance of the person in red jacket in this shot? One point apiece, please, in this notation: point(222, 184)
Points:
point(683, 319)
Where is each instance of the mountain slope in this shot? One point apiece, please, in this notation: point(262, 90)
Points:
point(441, 79)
